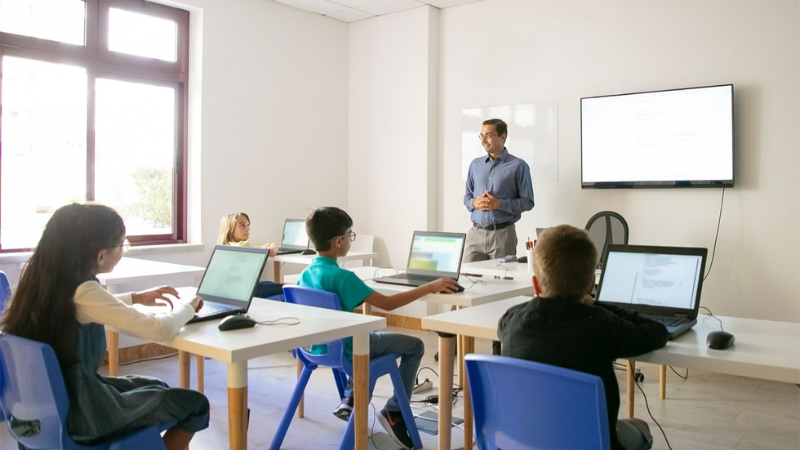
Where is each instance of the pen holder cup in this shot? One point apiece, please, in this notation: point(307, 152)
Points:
point(530, 259)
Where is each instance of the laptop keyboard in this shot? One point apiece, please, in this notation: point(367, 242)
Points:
point(211, 309)
point(666, 321)
point(415, 277)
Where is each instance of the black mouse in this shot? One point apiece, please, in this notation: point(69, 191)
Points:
point(459, 288)
point(522, 259)
point(308, 251)
point(236, 322)
point(720, 340)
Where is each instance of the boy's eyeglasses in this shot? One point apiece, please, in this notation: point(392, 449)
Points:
point(352, 236)
point(487, 135)
point(125, 246)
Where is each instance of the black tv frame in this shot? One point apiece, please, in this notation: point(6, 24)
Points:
point(664, 184)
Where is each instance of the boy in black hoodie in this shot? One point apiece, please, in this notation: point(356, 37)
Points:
point(563, 326)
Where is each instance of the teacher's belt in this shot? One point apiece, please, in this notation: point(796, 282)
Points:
point(496, 226)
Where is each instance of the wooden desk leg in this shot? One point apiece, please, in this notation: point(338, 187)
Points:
point(469, 347)
point(184, 369)
point(276, 271)
point(237, 405)
point(366, 309)
point(459, 360)
point(361, 388)
point(446, 344)
point(300, 406)
point(631, 387)
point(112, 343)
point(662, 382)
point(201, 374)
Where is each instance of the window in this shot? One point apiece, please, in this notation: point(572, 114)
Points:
point(93, 104)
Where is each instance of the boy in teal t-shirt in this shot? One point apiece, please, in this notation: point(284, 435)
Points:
point(331, 231)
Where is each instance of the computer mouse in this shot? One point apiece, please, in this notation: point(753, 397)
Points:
point(308, 251)
point(236, 322)
point(720, 340)
point(459, 288)
point(522, 259)
point(510, 258)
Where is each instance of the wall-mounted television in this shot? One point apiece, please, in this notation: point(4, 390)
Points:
point(671, 138)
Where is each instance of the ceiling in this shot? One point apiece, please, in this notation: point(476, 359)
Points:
point(355, 10)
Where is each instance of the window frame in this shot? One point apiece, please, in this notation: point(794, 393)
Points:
point(100, 62)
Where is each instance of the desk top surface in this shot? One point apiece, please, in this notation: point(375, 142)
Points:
point(134, 269)
point(316, 325)
point(764, 349)
point(484, 289)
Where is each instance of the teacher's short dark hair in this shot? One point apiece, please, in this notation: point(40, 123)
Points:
point(499, 126)
point(326, 223)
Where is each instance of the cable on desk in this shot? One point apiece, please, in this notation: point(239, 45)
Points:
point(280, 321)
point(715, 317)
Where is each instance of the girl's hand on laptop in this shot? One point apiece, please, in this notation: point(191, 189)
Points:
point(447, 285)
point(150, 297)
point(197, 303)
point(273, 248)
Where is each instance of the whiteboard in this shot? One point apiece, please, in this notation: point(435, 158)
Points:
point(532, 136)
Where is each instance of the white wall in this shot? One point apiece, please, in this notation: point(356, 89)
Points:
point(392, 186)
point(516, 51)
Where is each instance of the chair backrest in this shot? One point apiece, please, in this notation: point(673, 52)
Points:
point(521, 404)
point(33, 396)
point(607, 227)
point(5, 292)
point(334, 355)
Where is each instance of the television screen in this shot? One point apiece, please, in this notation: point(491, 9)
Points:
point(673, 138)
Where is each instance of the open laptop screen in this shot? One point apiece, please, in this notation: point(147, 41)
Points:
point(661, 277)
point(232, 275)
point(294, 234)
point(436, 253)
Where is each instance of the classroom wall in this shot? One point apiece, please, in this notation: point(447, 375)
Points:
point(393, 139)
point(497, 52)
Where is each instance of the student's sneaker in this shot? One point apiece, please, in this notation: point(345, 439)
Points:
point(394, 425)
point(344, 409)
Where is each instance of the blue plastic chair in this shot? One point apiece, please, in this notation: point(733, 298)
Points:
point(522, 405)
point(335, 359)
point(33, 401)
point(5, 292)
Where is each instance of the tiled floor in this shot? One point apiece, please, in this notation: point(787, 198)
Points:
point(706, 411)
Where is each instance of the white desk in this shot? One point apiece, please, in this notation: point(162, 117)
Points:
point(238, 346)
point(296, 258)
point(473, 295)
point(498, 267)
point(132, 270)
point(763, 349)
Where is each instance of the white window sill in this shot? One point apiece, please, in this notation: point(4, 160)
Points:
point(22, 257)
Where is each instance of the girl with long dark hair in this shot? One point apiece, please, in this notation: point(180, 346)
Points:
point(59, 302)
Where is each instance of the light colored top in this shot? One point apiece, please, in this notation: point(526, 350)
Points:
point(241, 244)
point(95, 305)
point(506, 177)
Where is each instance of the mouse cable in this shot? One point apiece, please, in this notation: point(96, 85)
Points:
point(377, 269)
point(714, 317)
point(716, 236)
point(474, 282)
point(651, 415)
point(279, 321)
point(682, 376)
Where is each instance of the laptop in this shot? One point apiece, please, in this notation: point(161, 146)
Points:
point(660, 283)
point(229, 281)
point(294, 239)
point(433, 255)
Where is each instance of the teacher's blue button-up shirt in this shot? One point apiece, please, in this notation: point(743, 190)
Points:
point(509, 179)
